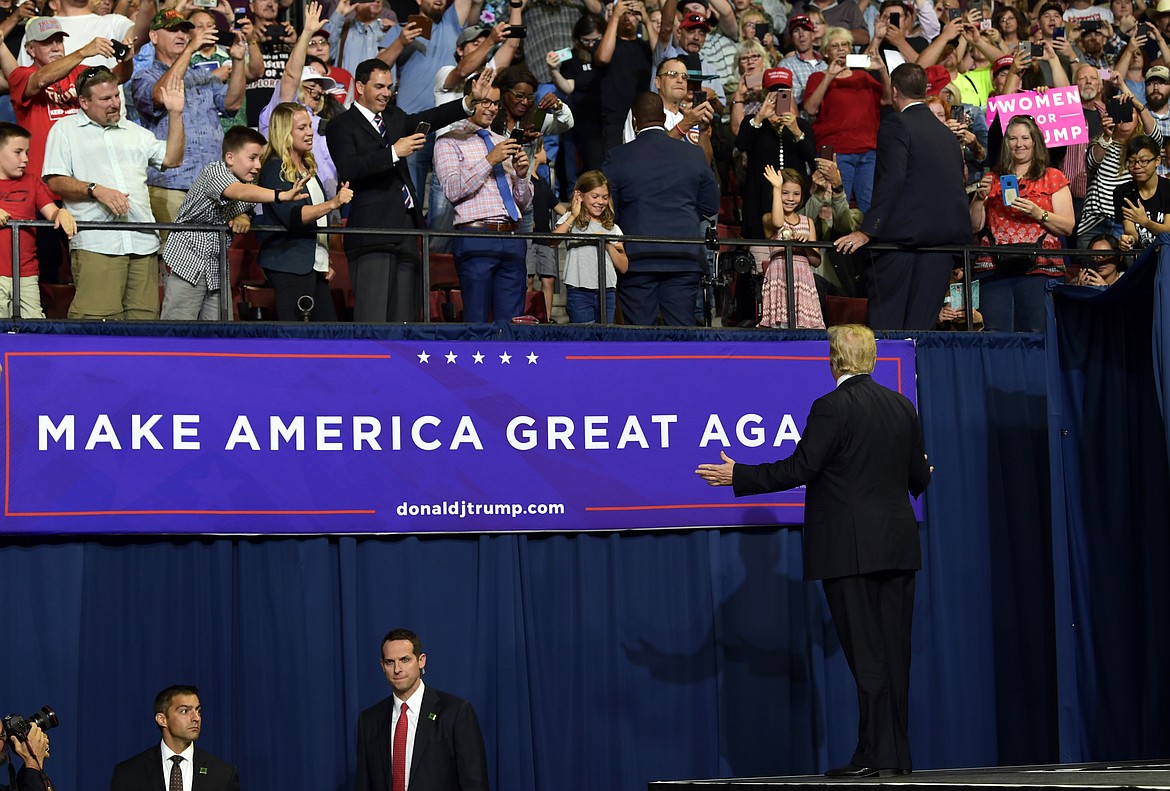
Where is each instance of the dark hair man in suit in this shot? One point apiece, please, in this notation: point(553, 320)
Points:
point(176, 764)
point(661, 186)
point(919, 200)
point(370, 143)
point(418, 732)
point(861, 452)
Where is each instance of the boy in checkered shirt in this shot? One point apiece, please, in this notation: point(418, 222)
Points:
point(222, 193)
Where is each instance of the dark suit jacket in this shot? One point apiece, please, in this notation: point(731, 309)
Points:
point(284, 252)
point(363, 158)
point(918, 191)
point(144, 772)
point(661, 187)
point(860, 453)
point(448, 747)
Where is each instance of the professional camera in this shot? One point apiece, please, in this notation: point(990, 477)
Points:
point(18, 726)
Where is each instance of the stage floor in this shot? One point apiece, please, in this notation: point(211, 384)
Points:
point(1091, 777)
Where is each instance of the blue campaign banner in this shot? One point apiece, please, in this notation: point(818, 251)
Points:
point(277, 436)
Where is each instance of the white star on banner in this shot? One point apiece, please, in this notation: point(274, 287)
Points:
point(478, 358)
point(505, 358)
point(532, 358)
point(423, 357)
point(452, 357)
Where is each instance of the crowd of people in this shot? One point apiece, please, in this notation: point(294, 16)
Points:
point(579, 116)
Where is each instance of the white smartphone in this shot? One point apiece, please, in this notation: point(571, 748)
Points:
point(857, 61)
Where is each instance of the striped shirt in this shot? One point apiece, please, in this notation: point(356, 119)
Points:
point(467, 179)
point(194, 255)
point(1105, 177)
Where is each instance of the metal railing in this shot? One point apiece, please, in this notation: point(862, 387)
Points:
point(711, 243)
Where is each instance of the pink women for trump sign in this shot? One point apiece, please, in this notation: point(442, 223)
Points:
point(1057, 111)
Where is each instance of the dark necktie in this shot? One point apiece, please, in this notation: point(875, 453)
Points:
point(407, 199)
point(501, 178)
point(398, 759)
point(176, 783)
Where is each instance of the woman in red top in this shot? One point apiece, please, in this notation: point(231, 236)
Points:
point(1012, 300)
point(846, 104)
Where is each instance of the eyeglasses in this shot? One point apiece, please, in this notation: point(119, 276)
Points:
point(312, 91)
point(591, 42)
point(673, 75)
point(318, 42)
point(91, 75)
point(1141, 163)
point(521, 97)
point(488, 102)
point(753, 58)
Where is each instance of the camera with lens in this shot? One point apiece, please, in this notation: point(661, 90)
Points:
point(18, 726)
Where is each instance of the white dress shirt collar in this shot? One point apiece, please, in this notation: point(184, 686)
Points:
point(187, 765)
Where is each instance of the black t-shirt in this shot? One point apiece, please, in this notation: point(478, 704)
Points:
point(1157, 205)
point(585, 100)
point(626, 75)
point(14, 39)
point(259, 92)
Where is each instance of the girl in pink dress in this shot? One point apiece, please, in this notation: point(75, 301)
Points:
point(789, 193)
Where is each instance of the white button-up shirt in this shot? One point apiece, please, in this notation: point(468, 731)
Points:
point(111, 156)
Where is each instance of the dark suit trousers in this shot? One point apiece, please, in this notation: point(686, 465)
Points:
point(906, 289)
point(643, 294)
point(873, 614)
point(386, 283)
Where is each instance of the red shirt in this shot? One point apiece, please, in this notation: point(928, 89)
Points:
point(38, 113)
point(22, 199)
point(850, 112)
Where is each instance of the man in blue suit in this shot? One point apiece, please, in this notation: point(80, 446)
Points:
point(661, 186)
point(919, 200)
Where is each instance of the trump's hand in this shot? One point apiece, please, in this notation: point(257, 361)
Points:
point(717, 474)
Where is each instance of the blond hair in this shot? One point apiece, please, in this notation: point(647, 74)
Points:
point(280, 127)
point(852, 349)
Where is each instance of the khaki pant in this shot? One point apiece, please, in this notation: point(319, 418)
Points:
point(30, 298)
point(114, 287)
point(164, 205)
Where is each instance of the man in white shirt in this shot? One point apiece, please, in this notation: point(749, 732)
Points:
point(174, 763)
point(81, 26)
point(97, 162)
point(393, 734)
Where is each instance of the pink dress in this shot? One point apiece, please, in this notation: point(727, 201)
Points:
point(775, 299)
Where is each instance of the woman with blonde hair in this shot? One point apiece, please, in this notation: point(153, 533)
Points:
point(297, 263)
point(846, 104)
point(753, 61)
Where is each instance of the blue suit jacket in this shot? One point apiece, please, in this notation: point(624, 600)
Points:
point(294, 252)
point(661, 187)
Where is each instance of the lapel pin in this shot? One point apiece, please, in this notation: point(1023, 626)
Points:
point(203, 770)
point(432, 716)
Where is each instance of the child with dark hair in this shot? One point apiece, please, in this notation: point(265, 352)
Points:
point(785, 222)
point(22, 197)
point(221, 194)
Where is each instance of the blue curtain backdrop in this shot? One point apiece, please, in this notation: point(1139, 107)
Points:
point(594, 661)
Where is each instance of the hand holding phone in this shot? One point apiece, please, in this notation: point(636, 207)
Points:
point(424, 127)
point(1011, 188)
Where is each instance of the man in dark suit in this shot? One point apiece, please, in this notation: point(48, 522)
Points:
point(418, 732)
point(661, 186)
point(176, 764)
point(860, 454)
point(919, 200)
point(369, 144)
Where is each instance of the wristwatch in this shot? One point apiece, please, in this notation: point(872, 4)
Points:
point(89, 190)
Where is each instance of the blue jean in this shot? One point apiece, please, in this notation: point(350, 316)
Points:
point(581, 305)
point(1013, 304)
point(419, 165)
point(492, 277)
point(857, 176)
point(440, 216)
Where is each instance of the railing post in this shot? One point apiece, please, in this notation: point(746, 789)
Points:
point(16, 270)
point(790, 278)
point(225, 277)
point(969, 309)
point(602, 313)
point(426, 275)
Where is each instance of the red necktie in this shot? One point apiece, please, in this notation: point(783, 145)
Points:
point(398, 759)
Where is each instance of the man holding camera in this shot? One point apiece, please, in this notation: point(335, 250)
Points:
point(207, 100)
point(32, 750)
point(176, 762)
point(371, 144)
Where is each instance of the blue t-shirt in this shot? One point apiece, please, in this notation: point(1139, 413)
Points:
point(417, 70)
